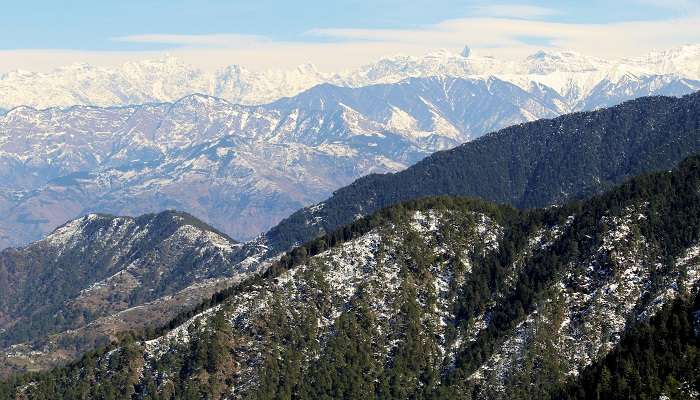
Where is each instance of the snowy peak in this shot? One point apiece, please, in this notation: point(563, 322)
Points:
point(168, 79)
point(200, 102)
point(159, 68)
point(102, 229)
point(547, 62)
point(20, 112)
point(683, 61)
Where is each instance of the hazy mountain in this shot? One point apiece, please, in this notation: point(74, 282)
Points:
point(241, 168)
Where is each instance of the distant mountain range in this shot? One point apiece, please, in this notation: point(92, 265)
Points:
point(581, 81)
point(244, 168)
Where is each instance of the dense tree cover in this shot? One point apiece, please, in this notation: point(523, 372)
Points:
point(297, 366)
point(536, 164)
point(654, 358)
point(45, 288)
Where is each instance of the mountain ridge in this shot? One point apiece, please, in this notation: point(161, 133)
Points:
point(596, 146)
point(99, 266)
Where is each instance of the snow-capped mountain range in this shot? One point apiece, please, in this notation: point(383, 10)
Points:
point(243, 168)
point(573, 76)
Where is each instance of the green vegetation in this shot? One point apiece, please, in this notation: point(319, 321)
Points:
point(285, 352)
point(658, 357)
point(529, 165)
point(42, 285)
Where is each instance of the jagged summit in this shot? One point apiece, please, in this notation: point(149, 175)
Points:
point(552, 61)
point(199, 100)
point(307, 68)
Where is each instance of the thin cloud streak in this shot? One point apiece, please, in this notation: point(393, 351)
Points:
point(224, 40)
point(347, 48)
point(503, 35)
point(682, 5)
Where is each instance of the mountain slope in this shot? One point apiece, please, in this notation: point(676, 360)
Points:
point(436, 298)
point(529, 165)
point(657, 358)
point(93, 268)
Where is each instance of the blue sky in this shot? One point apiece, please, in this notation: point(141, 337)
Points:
point(224, 31)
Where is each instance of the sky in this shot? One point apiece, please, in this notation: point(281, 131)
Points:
point(332, 34)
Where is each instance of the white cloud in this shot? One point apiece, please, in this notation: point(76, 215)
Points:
point(345, 48)
point(502, 36)
point(215, 40)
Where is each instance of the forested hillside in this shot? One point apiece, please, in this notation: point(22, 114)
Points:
point(441, 298)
